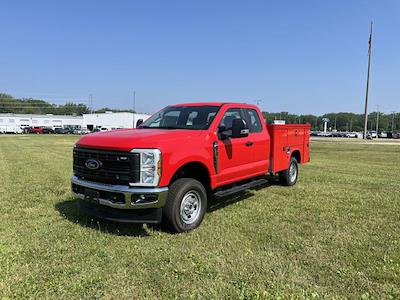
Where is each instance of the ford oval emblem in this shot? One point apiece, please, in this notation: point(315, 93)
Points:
point(92, 164)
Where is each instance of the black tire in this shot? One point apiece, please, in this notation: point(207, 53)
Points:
point(182, 192)
point(286, 177)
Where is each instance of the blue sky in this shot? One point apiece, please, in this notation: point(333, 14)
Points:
point(297, 56)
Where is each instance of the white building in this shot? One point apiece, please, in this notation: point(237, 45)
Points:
point(108, 120)
point(112, 120)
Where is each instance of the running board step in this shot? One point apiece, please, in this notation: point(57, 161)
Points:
point(240, 188)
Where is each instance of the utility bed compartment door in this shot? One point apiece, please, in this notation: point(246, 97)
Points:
point(284, 140)
point(279, 151)
point(295, 136)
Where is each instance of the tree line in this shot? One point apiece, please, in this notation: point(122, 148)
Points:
point(9, 104)
point(343, 121)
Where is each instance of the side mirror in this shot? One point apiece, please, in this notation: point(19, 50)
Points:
point(239, 128)
point(139, 122)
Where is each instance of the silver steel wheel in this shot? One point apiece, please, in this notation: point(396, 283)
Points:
point(292, 172)
point(190, 207)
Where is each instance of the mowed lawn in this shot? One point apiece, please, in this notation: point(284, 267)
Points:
point(336, 234)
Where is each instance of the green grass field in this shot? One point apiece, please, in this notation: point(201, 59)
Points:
point(336, 234)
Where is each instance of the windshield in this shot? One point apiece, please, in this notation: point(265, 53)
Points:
point(182, 117)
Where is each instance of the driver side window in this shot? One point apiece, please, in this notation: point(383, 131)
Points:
point(229, 116)
point(227, 120)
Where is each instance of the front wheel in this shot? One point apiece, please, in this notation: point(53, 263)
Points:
point(186, 205)
point(289, 177)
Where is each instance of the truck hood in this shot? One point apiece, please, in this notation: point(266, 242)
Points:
point(128, 139)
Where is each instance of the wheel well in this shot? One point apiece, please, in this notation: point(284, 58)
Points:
point(195, 170)
point(296, 155)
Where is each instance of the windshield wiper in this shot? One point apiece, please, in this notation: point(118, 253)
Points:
point(170, 127)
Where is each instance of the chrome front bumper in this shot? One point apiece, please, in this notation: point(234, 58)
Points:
point(121, 196)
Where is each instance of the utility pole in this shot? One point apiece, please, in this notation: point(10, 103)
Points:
point(367, 89)
point(377, 120)
point(90, 103)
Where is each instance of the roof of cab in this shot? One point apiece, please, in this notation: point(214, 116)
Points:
point(200, 104)
point(212, 104)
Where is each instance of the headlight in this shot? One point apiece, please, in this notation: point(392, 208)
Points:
point(147, 158)
point(150, 166)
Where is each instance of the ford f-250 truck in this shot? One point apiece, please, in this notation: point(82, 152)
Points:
point(166, 169)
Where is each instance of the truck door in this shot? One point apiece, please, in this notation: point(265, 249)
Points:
point(259, 142)
point(234, 154)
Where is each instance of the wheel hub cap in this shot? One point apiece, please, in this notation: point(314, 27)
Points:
point(190, 207)
point(292, 172)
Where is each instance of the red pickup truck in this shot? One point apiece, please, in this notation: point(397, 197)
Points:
point(166, 169)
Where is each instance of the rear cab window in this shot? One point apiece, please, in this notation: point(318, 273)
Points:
point(253, 120)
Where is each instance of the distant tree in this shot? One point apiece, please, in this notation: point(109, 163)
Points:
point(104, 109)
point(344, 121)
point(9, 104)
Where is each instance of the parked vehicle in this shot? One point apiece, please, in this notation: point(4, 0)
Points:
point(382, 135)
point(352, 135)
point(324, 134)
point(81, 131)
point(26, 129)
point(166, 169)
point(36, 129)
point(396, 135)
point(339, 134)
point(61, 130)
point(47, 130)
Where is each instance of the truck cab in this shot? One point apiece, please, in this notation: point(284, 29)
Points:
point(166, 169)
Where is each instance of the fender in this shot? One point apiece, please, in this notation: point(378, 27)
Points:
point(170, 166)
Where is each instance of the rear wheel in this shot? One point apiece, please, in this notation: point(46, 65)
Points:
point(186, 205)
point(289, 177)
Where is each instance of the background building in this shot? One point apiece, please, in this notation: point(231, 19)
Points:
point(112, 120)
point(109, 120)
